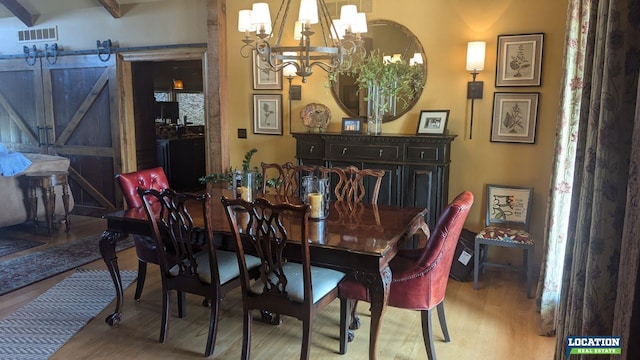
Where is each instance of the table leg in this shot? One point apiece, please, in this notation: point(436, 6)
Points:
point(33, 197)
point(65, 203)
point(49, 199)
point(107, 246)
point(378, 285)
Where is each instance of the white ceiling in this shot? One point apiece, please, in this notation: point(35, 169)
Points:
point(39, 7)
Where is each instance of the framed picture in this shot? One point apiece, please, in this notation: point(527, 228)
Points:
point(432, 122)
point(263, 78)
point(514, 117)
point(508, 204)
point(351, 125)
point(519, 61)
point(267, 114)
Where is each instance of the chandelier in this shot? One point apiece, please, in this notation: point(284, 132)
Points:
point(339, 41)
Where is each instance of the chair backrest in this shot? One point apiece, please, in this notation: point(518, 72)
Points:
point(176, 235)
point(264, 229)
point(285, 177)
point(508, 206)
point(154, 178)
point(350, 186)
point(437, 255)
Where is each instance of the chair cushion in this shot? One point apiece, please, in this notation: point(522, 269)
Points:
point(227, 266)
point(324, 280)
point(505, 234)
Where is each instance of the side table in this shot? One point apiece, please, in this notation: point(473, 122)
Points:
point(46, 181)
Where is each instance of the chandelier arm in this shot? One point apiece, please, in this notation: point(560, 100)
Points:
point(281, 20)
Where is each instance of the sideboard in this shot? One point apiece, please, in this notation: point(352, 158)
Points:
point(417, 167)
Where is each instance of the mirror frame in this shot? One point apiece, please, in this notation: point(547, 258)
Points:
point(410, 104)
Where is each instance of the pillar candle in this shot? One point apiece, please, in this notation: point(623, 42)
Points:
point(315, 200)
point(245, 193)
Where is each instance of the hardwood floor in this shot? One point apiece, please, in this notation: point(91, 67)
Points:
point(495, 322)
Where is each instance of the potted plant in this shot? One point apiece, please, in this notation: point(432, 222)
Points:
point(387, 82)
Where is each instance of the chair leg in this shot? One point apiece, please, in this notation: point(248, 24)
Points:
point(182, 304)
point(443, 322)
point(142, 275)
point(306, 338)
point(346, 335)
point(529, 253)
point(427, 334)
point(246, 335)
point(164, 326)
point(355, 319)
point(213, 328)
point(476, 264)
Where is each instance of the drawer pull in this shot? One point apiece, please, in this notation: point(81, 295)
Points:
point(344, 150)
point(421, 154)
point(311, 149)
point(380, 154)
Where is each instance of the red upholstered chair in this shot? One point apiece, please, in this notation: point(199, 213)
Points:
point(419, 276)
point(145, 246)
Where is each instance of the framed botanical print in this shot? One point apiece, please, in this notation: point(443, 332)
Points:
point(514, 117)
point(267, 114)
point(519, 61)
point(263, 77)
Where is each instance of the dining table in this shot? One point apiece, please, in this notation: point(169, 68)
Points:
point(358, 239)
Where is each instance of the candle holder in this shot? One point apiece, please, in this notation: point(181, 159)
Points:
point(245, 184)
point(315, 192)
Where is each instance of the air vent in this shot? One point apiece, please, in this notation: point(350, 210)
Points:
point(42, 34)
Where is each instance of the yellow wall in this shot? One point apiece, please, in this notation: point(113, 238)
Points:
point(443, 28)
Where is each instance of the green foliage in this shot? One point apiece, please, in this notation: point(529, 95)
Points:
point(228, 174)
point(394, 79)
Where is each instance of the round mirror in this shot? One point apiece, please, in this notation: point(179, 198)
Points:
point(391, 39)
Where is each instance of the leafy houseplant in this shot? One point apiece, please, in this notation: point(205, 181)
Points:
point(228, 174)
point(386, 83)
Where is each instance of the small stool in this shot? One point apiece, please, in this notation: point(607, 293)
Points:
point(47, 180)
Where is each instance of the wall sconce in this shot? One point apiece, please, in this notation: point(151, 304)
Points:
point(475, 64)
point(295, 91)
point(177, 84)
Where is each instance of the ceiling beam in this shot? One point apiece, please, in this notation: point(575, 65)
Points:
point(19, 11)
point(112, 7)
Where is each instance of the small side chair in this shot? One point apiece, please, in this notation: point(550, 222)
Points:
point(507, 225)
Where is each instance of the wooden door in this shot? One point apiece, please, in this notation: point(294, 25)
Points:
point(81, 111)
point(22, 121)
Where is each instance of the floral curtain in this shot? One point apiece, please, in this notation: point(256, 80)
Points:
point(592, 186)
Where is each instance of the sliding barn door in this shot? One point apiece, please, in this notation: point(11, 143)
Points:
point(22, 121)
point(81, 112)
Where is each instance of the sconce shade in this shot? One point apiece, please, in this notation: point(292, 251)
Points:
point(475, 56)
point(244, 21)
point(261, 16)
point(177, 84)
point(308, 12)
point(289, 70)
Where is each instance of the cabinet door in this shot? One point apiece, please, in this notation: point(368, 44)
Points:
point(423, 189)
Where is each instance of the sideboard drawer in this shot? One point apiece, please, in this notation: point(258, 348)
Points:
point(364, 152)
point(424, 153)
point(310, 149)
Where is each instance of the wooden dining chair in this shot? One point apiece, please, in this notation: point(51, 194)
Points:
point(351, 183)
point(284, 178)
point(153, 178)
point(199, 268)
point(419, 276)
point(285, 287)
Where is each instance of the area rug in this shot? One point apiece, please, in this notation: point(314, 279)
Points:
point(10, 246)
point(25, 270)
point(41, 327)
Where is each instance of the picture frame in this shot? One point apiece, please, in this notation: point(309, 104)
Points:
point(432, 122)
point(508, 204)
point(267, 114)
point(519, 60)
point(263, 78)
point(351, 125)
point(514, 117)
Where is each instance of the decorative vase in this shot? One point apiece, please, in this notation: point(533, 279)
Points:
point(379, 104)
point(245, 183)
